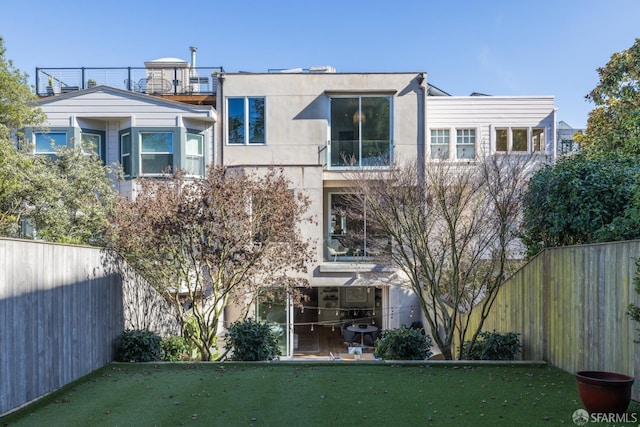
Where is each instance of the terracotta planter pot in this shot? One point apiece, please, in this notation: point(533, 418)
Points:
point(604, 392)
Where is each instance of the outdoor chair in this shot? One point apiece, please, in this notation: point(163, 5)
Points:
point(371, 337)
point(335, 248)
point(350, 337)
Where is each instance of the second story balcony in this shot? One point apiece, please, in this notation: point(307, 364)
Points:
point(167, 79)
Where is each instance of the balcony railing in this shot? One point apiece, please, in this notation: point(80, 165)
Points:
point(341, 154)
point(160, 81)
point(345, 248)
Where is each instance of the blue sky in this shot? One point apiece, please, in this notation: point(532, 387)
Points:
point(546, 47)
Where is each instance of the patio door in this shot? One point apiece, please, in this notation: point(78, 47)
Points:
point(274, 307)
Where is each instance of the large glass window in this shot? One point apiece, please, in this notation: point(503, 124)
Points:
point(125, 153)
point(439, 143)
point(246, 120)
point(360, 131)
point(47, 143)
point(156, 152)
point(520, 140)
point(350, 235)
point(91, 143)
point(194, 163)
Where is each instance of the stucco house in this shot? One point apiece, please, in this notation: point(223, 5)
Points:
point(317, 124)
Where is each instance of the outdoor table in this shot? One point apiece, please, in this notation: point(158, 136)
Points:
point(362, 331)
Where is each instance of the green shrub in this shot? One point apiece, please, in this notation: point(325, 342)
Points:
point(582, 199)
point(136, 345)
point(493, 346)
point(403, 344)
point(174, 348)
point(192, 334)
point(251, 341)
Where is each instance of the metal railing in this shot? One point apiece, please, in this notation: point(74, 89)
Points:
point(342, 154)
point(156, 81)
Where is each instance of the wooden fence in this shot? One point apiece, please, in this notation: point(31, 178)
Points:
point(61, 309)
point(569, 305)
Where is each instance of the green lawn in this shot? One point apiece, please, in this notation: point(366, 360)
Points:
point(304, 394)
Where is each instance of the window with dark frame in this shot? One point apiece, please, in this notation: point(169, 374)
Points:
point(156, 152)
point(360, 131)
point(125, 153)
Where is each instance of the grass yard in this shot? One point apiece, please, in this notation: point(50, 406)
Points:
point(305, 394)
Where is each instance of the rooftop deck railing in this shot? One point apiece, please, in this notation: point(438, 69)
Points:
point(155, 81)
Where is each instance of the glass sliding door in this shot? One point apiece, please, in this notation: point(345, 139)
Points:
point(274, 308)
point(375, 124)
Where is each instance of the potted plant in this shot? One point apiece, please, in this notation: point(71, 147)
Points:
point(91, 83)
point(51, 89)
point(357, 351)
point(604, 392)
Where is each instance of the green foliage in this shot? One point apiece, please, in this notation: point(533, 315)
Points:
point(493, 346)
point(68, 197)
point(191, 330)
point(403, 344)
point(136, 345)
point(252, 341)
point(174, 348)
point(614, 125)
point(73, 201)
point(17, 111)
point(18, 103)
point(582, 199)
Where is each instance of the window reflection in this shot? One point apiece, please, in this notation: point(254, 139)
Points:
point(353, 236)
point(360, 131)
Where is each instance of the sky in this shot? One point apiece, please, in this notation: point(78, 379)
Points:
point(506, 48)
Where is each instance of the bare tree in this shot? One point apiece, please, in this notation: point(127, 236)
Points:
point(206, 243)
point(452, 230)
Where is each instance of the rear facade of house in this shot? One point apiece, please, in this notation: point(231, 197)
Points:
point(319, 126)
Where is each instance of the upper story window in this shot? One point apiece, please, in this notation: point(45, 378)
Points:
point(440, 144)
point(194, 162)
point(125, 153)
point(47, 143)
point(360, 131)
point(156, 152)
point(246, 122)
point(91, 144)
point(466, 143)
point(152, 151)
point(443, 149)
point(520, 140)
